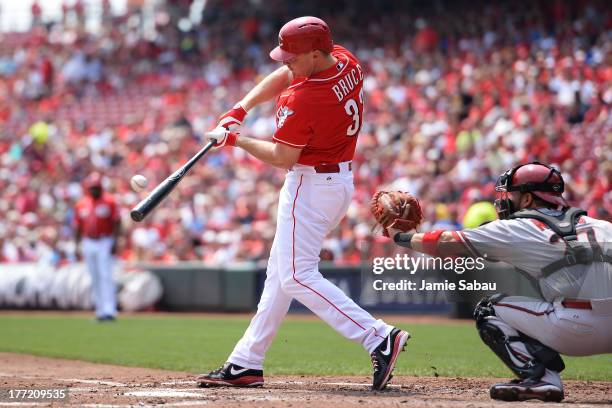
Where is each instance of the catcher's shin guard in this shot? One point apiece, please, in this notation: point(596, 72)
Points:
point(484, 308)
point(530, 365)
point(547, 356)
point(524, 366)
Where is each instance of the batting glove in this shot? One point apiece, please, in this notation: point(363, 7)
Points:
point(222, 137)
point(233, 117)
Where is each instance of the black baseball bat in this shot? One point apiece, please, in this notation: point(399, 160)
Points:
point(164, 188)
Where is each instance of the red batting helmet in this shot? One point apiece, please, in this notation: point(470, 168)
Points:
point(301, 35)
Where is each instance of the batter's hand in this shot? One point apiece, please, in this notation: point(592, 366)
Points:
point(233, 118)
point(222, 137)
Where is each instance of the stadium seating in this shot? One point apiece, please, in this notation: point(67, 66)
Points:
point(454, 95)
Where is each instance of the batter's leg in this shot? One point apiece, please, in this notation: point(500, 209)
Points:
point(308, 210)
point(251, 349)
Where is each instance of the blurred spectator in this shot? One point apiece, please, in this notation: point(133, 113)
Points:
point(456, 92)
point(36, 11)
point(478, 214)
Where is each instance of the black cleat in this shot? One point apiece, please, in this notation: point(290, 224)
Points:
point(385, 356)
point(521, 390)
point(231, 375)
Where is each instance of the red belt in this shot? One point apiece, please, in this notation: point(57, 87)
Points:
point(330, 168)
point(97, 236)
point(577, 304)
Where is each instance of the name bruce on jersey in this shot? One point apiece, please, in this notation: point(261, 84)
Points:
point(347, 83)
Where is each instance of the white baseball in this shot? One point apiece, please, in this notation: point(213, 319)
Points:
point(138, 182)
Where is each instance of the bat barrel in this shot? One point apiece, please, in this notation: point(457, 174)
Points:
point(151, 201)
point(143, 208)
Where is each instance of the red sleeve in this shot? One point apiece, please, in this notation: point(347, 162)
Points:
point(293, 126)
point(339, 50)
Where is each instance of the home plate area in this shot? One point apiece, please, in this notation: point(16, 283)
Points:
point(101, 385)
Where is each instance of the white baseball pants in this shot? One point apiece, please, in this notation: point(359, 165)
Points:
point(574, 332)
point(99, 260)
point(310, 205)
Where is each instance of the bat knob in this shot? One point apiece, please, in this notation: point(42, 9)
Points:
point(136, 215)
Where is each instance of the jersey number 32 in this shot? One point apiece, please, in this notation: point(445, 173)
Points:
point(352, 109)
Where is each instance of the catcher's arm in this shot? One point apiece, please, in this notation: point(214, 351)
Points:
point(434, 243)
point(400, 214)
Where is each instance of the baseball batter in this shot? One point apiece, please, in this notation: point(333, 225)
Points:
point(319, 115)
point(569, 258)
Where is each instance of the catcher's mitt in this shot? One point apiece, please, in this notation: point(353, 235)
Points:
point(397, 210)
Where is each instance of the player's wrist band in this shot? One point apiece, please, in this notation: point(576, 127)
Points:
point(430, 242)
point(241, 110)
point(231, 139)
point(403, 239)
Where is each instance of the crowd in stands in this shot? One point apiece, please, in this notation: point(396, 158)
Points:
point(456, 92)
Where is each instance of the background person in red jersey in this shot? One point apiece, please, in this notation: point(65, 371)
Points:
point(97, 226)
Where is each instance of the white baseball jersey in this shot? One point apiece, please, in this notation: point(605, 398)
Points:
point(530, 245)
point(578, 328)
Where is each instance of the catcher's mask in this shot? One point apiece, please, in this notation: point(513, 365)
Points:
point(541, 180)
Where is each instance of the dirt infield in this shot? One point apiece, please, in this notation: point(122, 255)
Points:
point(101, 385)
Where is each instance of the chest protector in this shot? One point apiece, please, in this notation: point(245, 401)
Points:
point(564, 226)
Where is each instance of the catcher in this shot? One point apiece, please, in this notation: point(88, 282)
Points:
point(567, 255)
